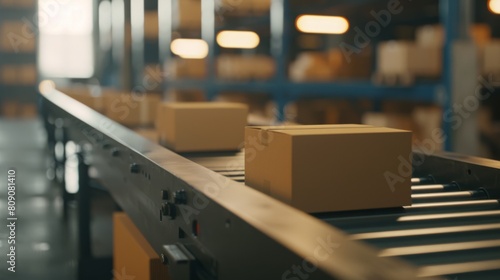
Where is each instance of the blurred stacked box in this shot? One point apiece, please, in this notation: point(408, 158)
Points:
point(18, 58)
point(185, 96)
point(332, 65)
point(18, 74)
point(16, 36)
point(151, 24)
point(401, 62)
point(242, 7)
point(18, 3)
point(187, 15)
point(129, 109)
point(181, 68)
point(245, 68)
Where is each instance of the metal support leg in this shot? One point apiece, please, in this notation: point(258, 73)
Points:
point(88, 266)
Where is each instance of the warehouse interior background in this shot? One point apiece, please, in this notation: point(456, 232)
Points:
point(429, 66)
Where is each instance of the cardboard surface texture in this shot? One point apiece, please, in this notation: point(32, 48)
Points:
point(132, 254)
point(324, 168)
point(132, 110)
point(202, 126)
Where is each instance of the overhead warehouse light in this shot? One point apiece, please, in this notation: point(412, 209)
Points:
point(238, 39)
point(494, 6)
point(189, 48)
point(322, 24)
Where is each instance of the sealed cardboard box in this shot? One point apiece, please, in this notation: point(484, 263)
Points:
point(133, 256)
point(132, 109)
point(323, 168)
point(202, 126)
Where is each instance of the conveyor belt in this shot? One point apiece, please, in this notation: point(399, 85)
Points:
point(446, 231)
point(209, 227)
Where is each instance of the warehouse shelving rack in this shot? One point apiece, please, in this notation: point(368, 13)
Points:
point(284, 91)
point(20, 92)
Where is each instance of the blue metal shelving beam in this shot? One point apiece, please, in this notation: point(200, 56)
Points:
point(450, 18)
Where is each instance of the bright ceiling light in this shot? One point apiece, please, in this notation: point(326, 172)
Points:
point(189, 48)
point(494, 6)
point(322, 24)
point(238, 39)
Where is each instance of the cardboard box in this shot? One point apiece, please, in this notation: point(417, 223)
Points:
point(27, 74)
point(181, 68)
point(8, 74)
point(151, 25)
point(14, 39)
point(18, 3)
point(245, 67)
point(324, 168)
point(311, 66)
point(10, 108)
point(132, 254)
point(434, 35)
point(400, 58)
point(29, 111)
point(132, 110)
point(188, 14)
point(202, 126)
point(491, 58)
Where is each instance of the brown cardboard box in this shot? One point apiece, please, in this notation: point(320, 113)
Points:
point(311, 66)
point(27, 74)
point(10, 108)
point(403, 58)
point(8, 74)
point(18, 3)
point(434, 35)
point(29, 111)
point(132, 110)
point(491, 58)
point(358, 66)
point(15, 37)
point(202, 126)
point(325, 168)
point(188, 14)
point(185, 96)
point(151, 25)
point(133, 256)
point(181, 68)
point(245, 67)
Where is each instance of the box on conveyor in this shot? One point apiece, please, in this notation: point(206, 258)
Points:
point(132, 109)
point(202, 126)
point(131, 250)
point(325, 168)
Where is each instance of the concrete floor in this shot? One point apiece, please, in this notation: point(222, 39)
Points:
point(45, 244)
